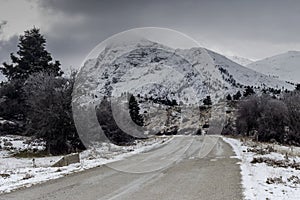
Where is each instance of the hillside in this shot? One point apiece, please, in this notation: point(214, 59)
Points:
point(149, 68)
point(284, 66)
point(245, 76)
point(157, 73)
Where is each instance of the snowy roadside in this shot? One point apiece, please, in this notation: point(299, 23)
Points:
point(268, 171)
point(16, 173)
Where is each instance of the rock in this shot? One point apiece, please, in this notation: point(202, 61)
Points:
point(67, 160)
point(276, 180)
point(27, 176)
point(7, 143)
point(5, 175)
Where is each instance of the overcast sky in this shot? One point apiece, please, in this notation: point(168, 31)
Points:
point(253, 29)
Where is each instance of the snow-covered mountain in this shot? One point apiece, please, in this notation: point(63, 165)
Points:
point(240, 60)
point(284, 66)
point(244, 76)
point(158, 73)
point(152, 69)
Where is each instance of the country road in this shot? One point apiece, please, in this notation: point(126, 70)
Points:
point(188, 167)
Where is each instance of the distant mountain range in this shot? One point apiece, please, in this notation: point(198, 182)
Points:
point(284, 66)
point(240, 60)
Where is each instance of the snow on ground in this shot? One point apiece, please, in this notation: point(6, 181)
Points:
point(21, 142)
point(261, 181)
point(18, 173)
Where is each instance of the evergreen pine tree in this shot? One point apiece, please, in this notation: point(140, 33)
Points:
point(237, 96)
point(174, 103)
point(134, 111)
point(297, 87)
point(229, 97)
point(32, 57)
point(207, 101)
point(249, 91)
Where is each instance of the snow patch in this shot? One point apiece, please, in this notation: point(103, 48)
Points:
point(255, 176)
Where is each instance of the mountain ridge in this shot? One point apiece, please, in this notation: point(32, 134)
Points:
point(154, 68)
point(240, 60)
point(285, 66)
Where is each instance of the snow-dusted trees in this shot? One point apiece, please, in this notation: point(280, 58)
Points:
point(48, 99)
point(32, 57)
point(134, 111)
point(267, 118)
point(37, 96)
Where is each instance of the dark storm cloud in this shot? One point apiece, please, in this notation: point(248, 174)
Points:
point(101, 19)
point(266, 20)
point(253, 29)
point(92, 6)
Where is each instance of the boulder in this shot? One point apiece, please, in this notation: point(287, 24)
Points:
point(67, 160)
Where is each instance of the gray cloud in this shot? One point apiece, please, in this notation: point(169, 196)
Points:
point(266, 20)
point(253, 29)
point(7, 47)
point(2, 24)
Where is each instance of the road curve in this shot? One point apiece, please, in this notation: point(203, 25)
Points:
point(187, 168)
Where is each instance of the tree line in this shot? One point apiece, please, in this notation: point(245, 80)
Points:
point(37, 98)
point(269, 118)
